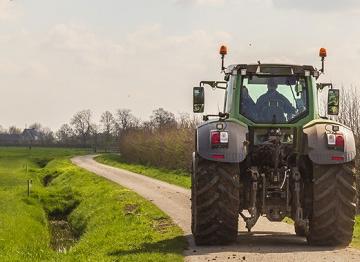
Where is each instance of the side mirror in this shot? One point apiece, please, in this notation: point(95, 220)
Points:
point(333, 102)
point(198, 99)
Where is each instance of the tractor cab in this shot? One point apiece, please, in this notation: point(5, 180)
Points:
point(275, 94)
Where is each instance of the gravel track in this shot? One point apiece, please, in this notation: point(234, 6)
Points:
point(269, 241)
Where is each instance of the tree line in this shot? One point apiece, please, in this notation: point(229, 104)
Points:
point(106, 134)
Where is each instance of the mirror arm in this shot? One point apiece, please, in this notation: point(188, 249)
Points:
point(321, 86)
point(213, 84)
point(222, 116)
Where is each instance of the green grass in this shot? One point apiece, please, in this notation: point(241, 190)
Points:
point(112, 223)
point(356, 235)
point(176, 177)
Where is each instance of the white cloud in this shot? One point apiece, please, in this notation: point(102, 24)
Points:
point(318, 5)
point(201, 2)
point(9, 10)
point(145, 45)
point(81, 44)
point(76, 68)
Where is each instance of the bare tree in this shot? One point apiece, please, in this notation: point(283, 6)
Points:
point(108, 123)
point(36, 126)
point(13, 130)
point(147, 126)
point(186, 121)
point(163, 119)
point(108, 126)
point(95, 130)
point(2, 130)
point(125, 120)
point(44, 134)
point(81, 123)
point(65, 135)
point(349, 113)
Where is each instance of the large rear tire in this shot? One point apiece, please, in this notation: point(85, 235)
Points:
point(215, 202)
point(300, 231)
point(333, 205)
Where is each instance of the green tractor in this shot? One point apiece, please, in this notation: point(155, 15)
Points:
point(270, 153)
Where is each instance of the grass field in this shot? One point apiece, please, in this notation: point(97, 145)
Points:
point(356, 236)
point(68, 206)
point(176, 177)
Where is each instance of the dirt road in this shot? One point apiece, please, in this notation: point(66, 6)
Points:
point(268, 242)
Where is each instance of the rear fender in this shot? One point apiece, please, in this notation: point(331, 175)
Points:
point(235, 152)
point(317, 147)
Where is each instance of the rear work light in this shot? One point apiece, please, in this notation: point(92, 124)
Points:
point(219, 138)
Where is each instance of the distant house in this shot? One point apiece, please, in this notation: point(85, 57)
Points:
point(28, 137)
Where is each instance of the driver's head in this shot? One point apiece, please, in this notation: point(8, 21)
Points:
point(272, 84)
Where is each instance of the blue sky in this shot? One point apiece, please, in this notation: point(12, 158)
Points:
point(61, 56)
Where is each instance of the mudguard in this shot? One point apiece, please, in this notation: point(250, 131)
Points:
point(235, 152)
point(317, 147)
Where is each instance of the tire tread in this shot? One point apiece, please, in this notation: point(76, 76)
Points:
point(215, 202)
point(333, 210)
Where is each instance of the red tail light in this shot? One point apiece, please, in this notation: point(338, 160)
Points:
point(215, 137)
point(339, 142)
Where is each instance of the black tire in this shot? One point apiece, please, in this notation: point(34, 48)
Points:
point(215, 202)
point(300, 231)
point(333, 205)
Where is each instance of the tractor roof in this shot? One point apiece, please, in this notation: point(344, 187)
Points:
point(272, 69)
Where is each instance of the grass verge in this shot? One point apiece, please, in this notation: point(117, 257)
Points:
point(176, 177)
point(110, 222)
point(356, 235)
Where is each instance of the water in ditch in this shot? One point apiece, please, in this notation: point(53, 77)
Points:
point(63, 237)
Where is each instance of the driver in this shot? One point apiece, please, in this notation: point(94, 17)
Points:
point(247, 104)
point(272, 106)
